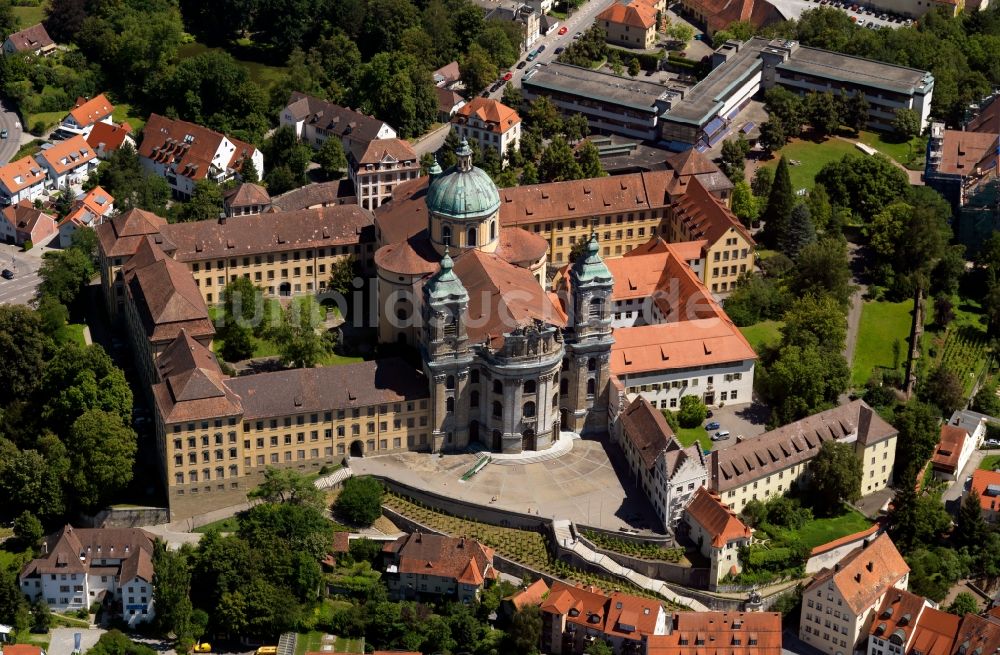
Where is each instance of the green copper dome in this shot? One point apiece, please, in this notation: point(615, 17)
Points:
point(589, 268)
point(463, 191)
point(445, 285)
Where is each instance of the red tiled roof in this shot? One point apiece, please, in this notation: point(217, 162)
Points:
point(87, 112)
point(684, 344)
point(31, 39)
point(617, 615)
point(949, 448)
point(378, 151)
point(864, 574)
point(123, 234)
point(533, 594)
point(647, 429)
point(897, 617)
point(633, 14)
point(759, 633)
point(496, 116)
point(836, 543)
point(720, 13)
point(21, 174)
point(247, 194)
point(936, 631)
point(67, 155)
point(458, 558)
point(718, 520)
point(190, 149)
point(962, 153)
point(74, 550)
point(987, 485)
point(108, 136)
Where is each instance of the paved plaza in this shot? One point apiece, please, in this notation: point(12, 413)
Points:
point(588, 485)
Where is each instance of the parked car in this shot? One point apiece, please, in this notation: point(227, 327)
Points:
point(563, 30)
point(507, 76)
point(577, 35)
point(989, 443)
point(722, 434)
point(541, 49)
point(709, 414)
point(531, 56)
point(699, 37)
point(714, 425)
point(559, 50)
point(3, 133)
point(521, 64)
point(7, 274)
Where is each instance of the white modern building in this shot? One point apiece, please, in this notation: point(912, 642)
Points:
point(81, 566)
point(489, 123)
point(67, 162)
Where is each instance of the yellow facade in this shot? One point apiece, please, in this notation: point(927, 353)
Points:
point(618, 233)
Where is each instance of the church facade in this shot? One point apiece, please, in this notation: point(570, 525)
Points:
point(509, 364)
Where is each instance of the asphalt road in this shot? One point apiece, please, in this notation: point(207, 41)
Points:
point(578, 22)
point(21, 289)
point(9, 121)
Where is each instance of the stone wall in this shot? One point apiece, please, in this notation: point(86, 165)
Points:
point(658, 569)
point(131, 517)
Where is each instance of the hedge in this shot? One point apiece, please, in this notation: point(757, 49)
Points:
point(648, 61)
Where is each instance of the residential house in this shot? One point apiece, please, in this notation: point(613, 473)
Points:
point(715, 15)
point(21, 180)
point(184, 153)
point(246, 200)
point(89, 210)
point(67, 162)
point(23, 224)
point(85, 114)
point(572, 617)
point(491, 124)
point(987, 485)
point(667, 472)
point(530, 596)
point(34, 40)
point(527, 16)
point(768, 465)
point(711, 633)
point(81, 566)
point(105, 138)
point(840, 604)
point(630, 23)
point(315, 195)
point(957, 443)
point(718, 532)
point(314, 120)
point(378, 166)
point(447, 76)
point(449, 102)
point(896, 628)
point(429, 565)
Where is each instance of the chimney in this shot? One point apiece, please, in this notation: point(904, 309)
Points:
point(857, 577)
point(222, 218)
point(870, 566)
point(461, 542)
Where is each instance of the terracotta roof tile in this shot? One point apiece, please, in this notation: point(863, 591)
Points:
point(519, 246)
point(897, 617)
point(23, 217)
point(67, 155)
point(720, 13)
point(718, 632)
point(618, 615)
point(494, 115)
point(717, 519)
point(977, 635)
point(379, 151)
point(247, 194)
point(464, 560)
point(310, 196)
point(21, 174)
point(949, 448)
point(123, 234)
point(447, 99)
point(448, 74)
point(74, 549)
point(830, 545)
point(533, 594)
point(630, 12)
point(108, 136)
point(190, 149)
point(31, 38)
point(647, 430)
point(794, 443)
point(339, 121)
point(864, 574)
point(705, 216)
point(962, 153)
point(987, 485)
point(988, 119)
point(936, 631)
point(684, 344)
point(22, 649)
point(87, 112)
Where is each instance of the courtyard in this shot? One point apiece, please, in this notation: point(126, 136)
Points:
point(588, 485)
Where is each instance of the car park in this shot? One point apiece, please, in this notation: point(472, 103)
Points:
point(714, 425)
point(7, 274)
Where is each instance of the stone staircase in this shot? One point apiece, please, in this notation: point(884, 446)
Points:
point(557, 450)
point(335, 478)
point(564, 533)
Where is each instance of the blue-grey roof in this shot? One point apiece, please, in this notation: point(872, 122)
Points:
point(463, 191)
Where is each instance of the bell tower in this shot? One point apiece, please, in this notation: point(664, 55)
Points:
point(447, 357)
point(588, 343)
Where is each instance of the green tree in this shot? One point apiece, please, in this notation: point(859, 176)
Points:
point(360, 501)
point(744, 205)
point(299, 343)
point(205, 203)
point(102, 452)
point(986, 399)
point(28, 529)
point(331, 159)
point(964, 603)
point(80, 378)
point(598, 647)
point(477, 70)
point(906, 124)
point(820, 210)
point(543, 116)
point(944, 389)
point(589, 160)
point(65, 274)
point(755, 299)
point(287, 486)
point(63, 19)
point(529, 175)
point(692, 412)
point(171, 591)
point(633, 67)
point(558, 162)
point(823, 268)
point(785, 108)
point(399, 90)
point(680, 32)
point(249, 172)
point(799, 233)
point(933, 571)
point(919, 432)
point(780, 202)
point(23, 349)
point(513, 98)
point(856, 112)
point(342, 275)
point(287, 160)
point(41, 621)
point(237, 343)
point(772, 136)
point(970, 526)
point(863, 184)
point(823, 112)
point(734, 154)
point(497, 44)
point(133, 187)
point(835, 477)
point(815, 321)
point(802, 381)
point(525, 631)
point(576, 127)
point(54, 315)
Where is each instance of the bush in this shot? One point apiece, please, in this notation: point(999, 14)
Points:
point(360, 502)
point(28, 245)
point(671, 419)
point(692, 412)
point(38, 128)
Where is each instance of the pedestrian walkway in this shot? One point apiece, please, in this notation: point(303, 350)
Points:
point(564, 531)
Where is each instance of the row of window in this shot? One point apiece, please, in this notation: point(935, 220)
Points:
point(728, 270)
point(282, 258)
point(723, 397)
point(725, 255)
point(205, 456)
point(192, 441)
point(826, 637)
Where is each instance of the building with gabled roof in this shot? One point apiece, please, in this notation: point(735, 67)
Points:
point(768, 465)
point(314, 120)
point(667, 472)
point(67, 162)
point(692, 163)
point(89, 211)
point(716, 15)
point(531, 596)
point(718, 532)
point(184, 153)
point(896, 627)
point(987, 485)
point(82, 566)
point(489, 123)
point(106, 138)
point(246, 199)
point(85, 114)
point(117, 240)
point(22, 224)
point(953, 450)
point(856, 587)
point(422, 565)
point(572, 617)
point(34, 40)
point(21, 180)
point(378, 166)
point(712, 633)
point(630, 23)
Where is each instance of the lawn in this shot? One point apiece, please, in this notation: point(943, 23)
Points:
point(33, 147)
point(990, 463)
point(763, 334)
point(124, 112)
point(222, 525)
point(308, 642)
point(264, 75)
point(12, 559)
point(820, 531)
point(813, 157)
point(71, 333)
point(28, 16)
point(345, 645)
point(48, 118)
point(882, 323)
point(910, 154)
point(688, 436)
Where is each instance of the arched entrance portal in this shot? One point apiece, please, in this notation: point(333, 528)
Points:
point(284, 289)
point(474, 431)
point(357, 448)
point(497, 441)
point(528, 441)
point(563, 418)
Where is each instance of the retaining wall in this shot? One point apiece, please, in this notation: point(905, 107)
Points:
point(131, 517)
point(658, 569)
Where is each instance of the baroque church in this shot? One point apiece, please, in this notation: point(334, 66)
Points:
point(509, 364)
